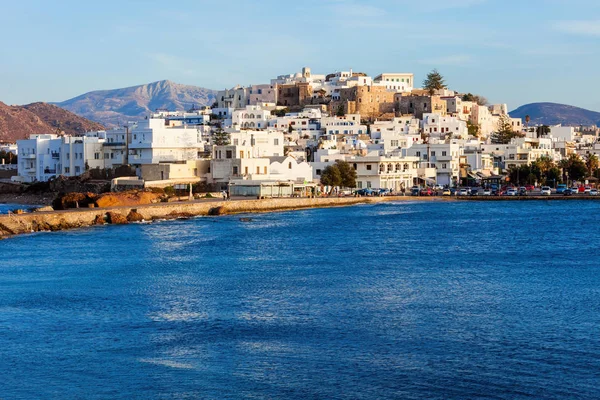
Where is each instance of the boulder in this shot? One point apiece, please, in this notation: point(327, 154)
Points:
point(135, 216)
point(116, 218)
point(220, 210)
point(99, 220)
point(130, 198)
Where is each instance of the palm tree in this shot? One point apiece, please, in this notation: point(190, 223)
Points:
point(591, 163)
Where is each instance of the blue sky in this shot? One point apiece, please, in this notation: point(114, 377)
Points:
point(510, 51)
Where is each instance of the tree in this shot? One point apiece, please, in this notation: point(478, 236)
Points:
point(434, 81)
point(348, 174)
point(221, 138)
point(340, 111)
point(331, 176)
point(504, 131)
point(542, 130)
point(591, 163)
point(574, 166)
point(474, 129)
point(475, 98)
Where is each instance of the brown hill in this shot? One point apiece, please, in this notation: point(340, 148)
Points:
point(18, 122)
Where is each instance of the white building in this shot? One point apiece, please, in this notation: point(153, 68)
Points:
point(396, 82)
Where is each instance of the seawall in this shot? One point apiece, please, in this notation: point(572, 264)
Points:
point(16, 224)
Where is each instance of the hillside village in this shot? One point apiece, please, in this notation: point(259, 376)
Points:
point(281, 136)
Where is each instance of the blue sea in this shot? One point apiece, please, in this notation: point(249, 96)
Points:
point(433, 300)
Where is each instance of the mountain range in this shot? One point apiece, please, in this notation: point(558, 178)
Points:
point(18, 122)
point(119, 106)
point(554, 114)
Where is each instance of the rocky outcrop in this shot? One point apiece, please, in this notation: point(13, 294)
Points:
point(116, 218)
point(59, 220)
point(132, 198)
point(74, 200)
point(135, 216)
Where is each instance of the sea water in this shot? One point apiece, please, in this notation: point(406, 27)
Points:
point(400, 300)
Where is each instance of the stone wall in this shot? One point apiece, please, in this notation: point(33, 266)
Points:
point(71, 219)
point(368, 101)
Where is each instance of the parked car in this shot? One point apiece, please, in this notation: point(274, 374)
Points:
point(364, 192)
point(575, 189)
point(546, 191)
point(474, 191)
point(463, 192)
point(522, 191)
point(529, 188)
point(511, 192)
point(426, 192)
point(438, 187)
point(567, 192)
point(487, 192)
point(561, 188)
point(594, 192)
point(587, 189)
point(447, 192)
point(415, 190)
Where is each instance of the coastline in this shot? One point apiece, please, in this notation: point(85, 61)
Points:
point(11, 225)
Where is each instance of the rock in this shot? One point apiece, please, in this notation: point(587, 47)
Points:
point(135, 216)
point(116, 218)
point(220, 210)
point(130, 198)
point(73, 200)
point(44, 209)
point(245, 219)
point(99, 220)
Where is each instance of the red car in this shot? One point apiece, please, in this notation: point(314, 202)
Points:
point(529, 188)
point(426, 192)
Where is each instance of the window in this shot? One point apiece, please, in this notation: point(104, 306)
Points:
point(418, 154)
point(368, 167)
point(228, 154)
point(276, 142)
point(290, 165)
point(433, 154)
point(258, 170)
point(77, 169)
point(443, 154)
point(235, 142)
point(265, 170)
point(69, 155)
point(96, 156)
point(106, 156)
point(235, 170)
point(369, 185)
point(246, 170)
point(67, 170)
point(319, 172)
point(443, 166)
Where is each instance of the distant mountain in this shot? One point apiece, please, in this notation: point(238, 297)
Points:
point(118, 106)
point(18, 122)
point(554, 114)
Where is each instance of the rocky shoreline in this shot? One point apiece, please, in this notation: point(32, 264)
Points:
point(17, 224)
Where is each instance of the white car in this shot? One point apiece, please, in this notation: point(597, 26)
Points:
point(593, 192)
point(463, 192)
point(546, 191)
point(512, 192)
point(487, 192)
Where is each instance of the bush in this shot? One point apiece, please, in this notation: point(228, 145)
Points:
point(169, 191)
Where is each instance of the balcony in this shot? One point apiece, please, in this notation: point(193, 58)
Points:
point(28, 156)
point(443, 158)
point(55, 155)
point(49, 171)
point(114, 144)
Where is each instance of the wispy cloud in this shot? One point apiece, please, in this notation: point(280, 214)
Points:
point(579, 27)
point(452, 60)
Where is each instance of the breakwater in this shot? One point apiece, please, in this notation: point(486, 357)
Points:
point(16, 224)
